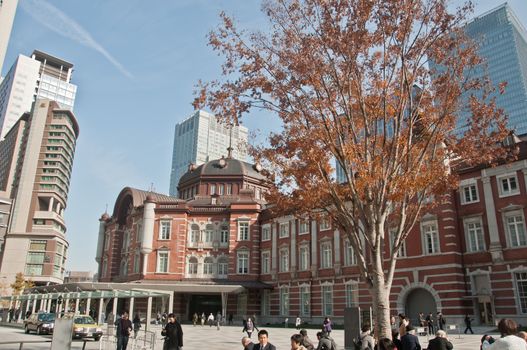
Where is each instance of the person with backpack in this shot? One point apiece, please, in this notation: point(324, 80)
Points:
point(325, 342)
point(366, 340)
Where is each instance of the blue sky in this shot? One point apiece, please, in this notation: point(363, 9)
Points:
point(136, 65)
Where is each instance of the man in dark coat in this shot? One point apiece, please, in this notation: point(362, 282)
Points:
point(124, 327)
point(409, 341)
point(440, 342)
point(173, 334)
point(263, 341)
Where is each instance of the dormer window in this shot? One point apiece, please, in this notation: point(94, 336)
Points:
point(212, 189)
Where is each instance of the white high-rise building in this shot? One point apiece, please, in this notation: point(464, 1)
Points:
point(7, 16)
point(38, 76)
point(201, 138)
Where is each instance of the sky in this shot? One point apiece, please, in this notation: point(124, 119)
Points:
point(136, 64)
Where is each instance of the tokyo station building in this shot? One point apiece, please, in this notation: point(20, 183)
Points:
point(217, 248)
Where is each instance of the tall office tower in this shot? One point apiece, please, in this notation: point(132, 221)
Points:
point(201, 138)
point(7, 16)
point(502, 43)
point(39, 152)
point(38, 76)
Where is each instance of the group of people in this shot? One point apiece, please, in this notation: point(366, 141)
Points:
point(210, 319)
point(299, 341)
point(432, 323)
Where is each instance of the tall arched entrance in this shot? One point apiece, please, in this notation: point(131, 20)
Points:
point(419, 300)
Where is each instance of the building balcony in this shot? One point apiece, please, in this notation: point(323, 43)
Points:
point(48, 215)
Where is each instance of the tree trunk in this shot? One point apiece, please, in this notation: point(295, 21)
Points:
point(381, 307)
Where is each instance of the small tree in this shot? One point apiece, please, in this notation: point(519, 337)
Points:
point(374, 87)
point(20, 284)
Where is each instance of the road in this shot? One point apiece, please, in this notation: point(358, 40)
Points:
point(228, 338)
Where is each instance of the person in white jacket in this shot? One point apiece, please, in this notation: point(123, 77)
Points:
point(509, 340)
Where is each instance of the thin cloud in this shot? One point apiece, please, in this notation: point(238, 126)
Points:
point(57, 21)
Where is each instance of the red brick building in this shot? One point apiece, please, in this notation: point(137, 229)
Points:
point(466, 256)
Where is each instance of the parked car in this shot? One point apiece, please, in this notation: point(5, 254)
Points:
point(40, 323)
point(85, 327)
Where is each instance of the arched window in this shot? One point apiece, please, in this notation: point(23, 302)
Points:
point(194, 234)
point(208, 264)
point(193, 265)
point(209, 234)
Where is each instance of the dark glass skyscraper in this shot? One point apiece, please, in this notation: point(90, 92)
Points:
point(502, 43)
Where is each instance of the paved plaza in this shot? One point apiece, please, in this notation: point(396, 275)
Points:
point(227, 338)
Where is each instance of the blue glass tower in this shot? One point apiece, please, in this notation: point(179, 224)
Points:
point(502, 44)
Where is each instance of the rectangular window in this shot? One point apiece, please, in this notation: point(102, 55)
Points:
point(33, 270)
point(352, 294)
point(327, 300)
point(208, 267)
point(402, 249)
point(430, 238)
point(266, 302)
point(137, 262)
point(212, 189)
point(508, 185)
point(324, 224)
point(303, 227)
point(220, 190)
point(228, 189)
point(266, 233)
point(266, 262)
point(164, 229)
point(284, 230)
point(284, 301)
point(516, 229)
point(37, 245)
point(303, 257)
point(349, 254)
point(209, 236)
point(475, 239)
point(469, 194)
point(243, 262)
point(224, 235)
point(243, 231)
point(223, 268)
point(521, 289)
point(326, 260)
point(284, 260)
point(305, 297)
point(35, 258)
point(162, 262)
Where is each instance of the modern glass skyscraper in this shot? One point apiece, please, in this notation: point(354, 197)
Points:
point(201, 138)
point(502, 43)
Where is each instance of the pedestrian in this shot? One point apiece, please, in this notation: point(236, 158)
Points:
point(386, 344)
point(409, 341)
point(298, 322)
point(230, 319)
point(210, 320)
point(263, 341)
point(137, 324)
point(468, 324)
point(486, 342)
point(296, 342)
point(366, 340)
point(508, 340)
point(430, 323)
point(249, 327)
point(194, 319)
point(403, 323)
point(123, 329)
point(247, 343)
point(173, 334)
point(422, 321)
point(306, 342)
point(325, 342)
point(440, 320)
point(440, 342)
point(202, 319)
point(327, 326)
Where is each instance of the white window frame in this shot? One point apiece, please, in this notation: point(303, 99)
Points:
point(305, 300)
point(158, 262)
point(223, 267)
point(266, 262)
point(326, 255)
point(324, 224)
point(303, 227)
point(192, 268)
point(224, 235)
point(242, 262)
point(350, 259)
point(501, 190)
point(283, 229)
point(303, 258)
point(327, 299)
point(266, 233)
point(284, 260)
point(164, 235)
point(228, 189)
point(352, 294)
point(208, 266)
point(209, 235)
point(510, 240)
point(244, 230)
point(402, 248)
point(436, 244)
point(212, 189)
point(470, 230)
point(221, 189)
point(284, 301)
point(472, 191)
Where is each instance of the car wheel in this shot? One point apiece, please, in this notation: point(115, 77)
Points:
point(39, 331)
point(96, 337)
point(26, 329)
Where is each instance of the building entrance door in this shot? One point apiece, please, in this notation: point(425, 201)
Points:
point(485, 310)
point(204, 304)
point(419, 300)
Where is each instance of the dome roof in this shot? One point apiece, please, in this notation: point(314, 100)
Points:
point(224, 167)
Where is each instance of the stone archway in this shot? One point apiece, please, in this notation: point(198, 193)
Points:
point(419, 300)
